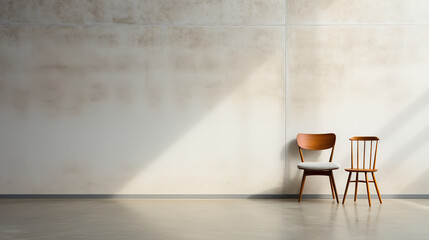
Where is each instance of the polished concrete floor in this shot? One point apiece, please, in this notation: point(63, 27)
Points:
point(213, 219)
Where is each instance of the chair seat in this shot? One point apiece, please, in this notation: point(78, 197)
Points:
point(360, 170)
point(318, 165)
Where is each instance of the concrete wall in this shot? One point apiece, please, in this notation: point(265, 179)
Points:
point(168, 97)
point(361, 68)
point(142, 97)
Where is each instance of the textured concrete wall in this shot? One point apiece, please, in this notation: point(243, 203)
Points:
point(189, 96)
point(142, 96)
point(361, 68)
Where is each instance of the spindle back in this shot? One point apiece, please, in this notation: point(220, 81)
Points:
point(364, 152)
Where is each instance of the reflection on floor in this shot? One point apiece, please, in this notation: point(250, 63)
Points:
point(213, 219)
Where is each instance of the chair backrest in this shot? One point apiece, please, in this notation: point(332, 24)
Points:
point(316, 142)
point(364, 152)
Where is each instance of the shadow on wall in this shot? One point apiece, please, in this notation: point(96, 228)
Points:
point(393, 134)
point(95, 106)
point(292, 182)
point(402, 136)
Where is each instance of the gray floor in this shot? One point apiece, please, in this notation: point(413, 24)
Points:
point(213, 219)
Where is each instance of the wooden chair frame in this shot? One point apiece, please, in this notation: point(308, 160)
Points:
point(371, 166)
point(317, 142)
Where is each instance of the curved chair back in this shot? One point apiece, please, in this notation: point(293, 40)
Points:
point(316, 142)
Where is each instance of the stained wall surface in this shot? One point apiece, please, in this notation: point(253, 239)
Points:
point(142, 97)
point(206, 97)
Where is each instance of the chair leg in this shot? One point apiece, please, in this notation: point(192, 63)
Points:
point(332, 188)
point(347, 187)
point(333, 184)
point(376, 187)
point(367, 188)
point(356, 184)
point(302, 185)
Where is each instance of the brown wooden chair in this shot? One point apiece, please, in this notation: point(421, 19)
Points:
point(367, 165)
point(317, 142)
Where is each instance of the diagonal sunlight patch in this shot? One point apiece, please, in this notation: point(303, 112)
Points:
point(406, 146)
point(235, 148)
